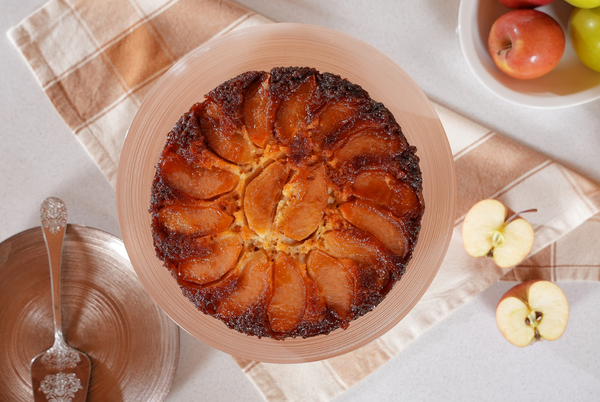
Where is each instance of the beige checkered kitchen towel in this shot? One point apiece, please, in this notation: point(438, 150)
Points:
point(96, 60)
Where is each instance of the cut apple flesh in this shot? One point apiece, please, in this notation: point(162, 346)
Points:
point(308, 197)
point(482, 219)
point(224, 137)
point(368, 142)
point(512, 243)
point(194, 221)
point(385, 190)
point(293, 112)
point(289, 295)
point(198, 182)
point(262, 196)
point(486, 233)
point(334, 280)
point(254, 286)
point(381, 224)
point(510, 317)
point(259, 112)
point(220, 256)
point(549, 300)
point(531, 311)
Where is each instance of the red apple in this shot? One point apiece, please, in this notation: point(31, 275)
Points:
point(531, 311)
point(488, 233)
point(526, 44)
point(524, 3)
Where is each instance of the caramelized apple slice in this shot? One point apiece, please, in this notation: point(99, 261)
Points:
point(216, 258)
point(207, 297)
point(380, 223)
point(194, 220)
point(204, 157)
point(197, 182)
point(315, 308)
point(335, 281)
point(289, 295)
point(308, 196)
point(259, 113)
point(293, 112)
point(363, 122)
point(333, 117)
point(385, 190)
point(225, 137)
point(253, 288)
point(364, 249)
point(262, 196)
point(367, 142)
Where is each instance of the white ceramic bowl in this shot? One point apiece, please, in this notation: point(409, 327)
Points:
point(570, 83)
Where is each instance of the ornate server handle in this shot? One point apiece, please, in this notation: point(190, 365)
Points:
point(53, 213)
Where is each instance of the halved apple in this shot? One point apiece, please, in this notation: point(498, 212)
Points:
point(487, 232)
point(532, 310)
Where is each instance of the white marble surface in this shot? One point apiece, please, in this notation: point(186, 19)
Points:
point(464, 358)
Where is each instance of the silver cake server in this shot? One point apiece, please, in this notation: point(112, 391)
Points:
point(61, 373)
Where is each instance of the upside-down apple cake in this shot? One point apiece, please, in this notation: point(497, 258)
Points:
point(286, 204)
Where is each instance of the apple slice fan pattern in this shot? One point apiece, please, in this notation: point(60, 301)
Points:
point(568, 204)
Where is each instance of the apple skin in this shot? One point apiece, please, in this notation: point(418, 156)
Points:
point(584, 3)
point(524, 3)
point(533, 299)
point(526, 44)
point(584, 29)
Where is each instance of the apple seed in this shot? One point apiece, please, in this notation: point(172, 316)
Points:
point(533, 319)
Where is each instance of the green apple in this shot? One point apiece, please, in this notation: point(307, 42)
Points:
point(584, 28)
point(584, 3)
